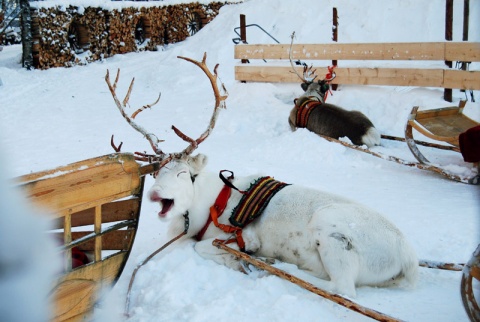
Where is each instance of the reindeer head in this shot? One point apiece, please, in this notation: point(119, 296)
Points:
point(316, 89)
point(174, 186)
point(311, 88)
point(175, 172)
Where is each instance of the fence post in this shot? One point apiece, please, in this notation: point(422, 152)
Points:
point(335, 38)
point(447, 93)
point(466, 17)
point(243, 34)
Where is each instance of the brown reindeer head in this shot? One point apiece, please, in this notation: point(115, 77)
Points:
point(311, 88)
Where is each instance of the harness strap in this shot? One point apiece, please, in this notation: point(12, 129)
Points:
point(214, 214)
point(219, 206)
point(304, 110)
point(217, 210)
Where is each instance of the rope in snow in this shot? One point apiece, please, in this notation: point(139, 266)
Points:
point(146, 260)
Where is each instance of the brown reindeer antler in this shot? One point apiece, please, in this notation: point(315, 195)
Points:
point(193, 143)
point(307, 71)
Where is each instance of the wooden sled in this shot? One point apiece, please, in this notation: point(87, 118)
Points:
point(443, 124)
point(470, 276)
point(95, 206)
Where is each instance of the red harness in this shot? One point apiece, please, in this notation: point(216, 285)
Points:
point(304, 110)
point(215, 212)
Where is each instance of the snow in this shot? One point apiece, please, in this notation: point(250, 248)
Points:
point(63, 115)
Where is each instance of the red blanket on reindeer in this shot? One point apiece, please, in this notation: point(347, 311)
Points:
point(470, 144)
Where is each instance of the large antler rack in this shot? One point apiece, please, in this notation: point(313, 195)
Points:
point(159, 155)
point(308, 74)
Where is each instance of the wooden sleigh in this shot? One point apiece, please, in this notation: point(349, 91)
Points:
point(443, 124)
point(95, 207)
point(470, 281)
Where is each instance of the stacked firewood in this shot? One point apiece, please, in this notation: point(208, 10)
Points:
point(67, 36)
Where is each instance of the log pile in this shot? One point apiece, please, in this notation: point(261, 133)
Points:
point(68, 36)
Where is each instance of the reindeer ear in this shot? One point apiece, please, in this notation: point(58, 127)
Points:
point(198, 162)
point(305, 86)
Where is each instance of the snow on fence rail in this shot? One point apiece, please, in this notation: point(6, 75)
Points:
point(277, 69)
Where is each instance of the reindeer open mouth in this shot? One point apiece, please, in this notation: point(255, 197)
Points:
point(167, 204)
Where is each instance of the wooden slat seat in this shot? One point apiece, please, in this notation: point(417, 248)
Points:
point(94, 206)
point(444, 124)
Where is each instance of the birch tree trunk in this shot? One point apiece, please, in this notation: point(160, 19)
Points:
point(27, 40)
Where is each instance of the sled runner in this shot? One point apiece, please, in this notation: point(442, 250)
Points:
point(95, 206)
point(471, 276)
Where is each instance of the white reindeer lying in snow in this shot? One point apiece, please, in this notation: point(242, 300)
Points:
point(340, 241)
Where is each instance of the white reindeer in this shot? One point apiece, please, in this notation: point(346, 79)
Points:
point(340, 241)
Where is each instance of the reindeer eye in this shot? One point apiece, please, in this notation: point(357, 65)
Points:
point(181, 172)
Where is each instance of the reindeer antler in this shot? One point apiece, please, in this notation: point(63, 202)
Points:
point(307, 71)
point(193, 143)
point(121, 107)
point(219, 103)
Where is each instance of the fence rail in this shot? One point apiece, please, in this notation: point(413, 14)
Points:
point(273, 71)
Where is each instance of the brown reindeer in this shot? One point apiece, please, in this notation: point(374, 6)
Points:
point(311, 112)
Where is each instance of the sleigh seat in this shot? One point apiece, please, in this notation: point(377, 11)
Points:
point(446, 124)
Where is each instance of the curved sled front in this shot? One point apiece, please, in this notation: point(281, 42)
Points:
point(470, 276)
point(444, 124)
point(95, 207)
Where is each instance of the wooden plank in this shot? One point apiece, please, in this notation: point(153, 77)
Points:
point(461, 79)
point(360, 76)
point(353, 51)
point(114, 240)
point(390, 76)
point(73, 298)
point(97, 228)
point(87, 184)
point(445, 111)
point(103, 273)
point(462, 51)
point(111, 212)
point(75, 292)
point(455, 51)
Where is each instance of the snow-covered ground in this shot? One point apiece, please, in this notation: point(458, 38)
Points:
point(59, 116)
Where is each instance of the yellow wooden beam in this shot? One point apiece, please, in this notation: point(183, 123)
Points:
point(367, 76)
point(453, 51)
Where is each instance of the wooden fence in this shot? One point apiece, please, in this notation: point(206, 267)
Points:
point(277, 67)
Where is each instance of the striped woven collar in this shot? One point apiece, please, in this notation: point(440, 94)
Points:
point(255, 200)
point(304, 110)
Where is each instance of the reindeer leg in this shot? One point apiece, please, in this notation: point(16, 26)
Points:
point(205, 249)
